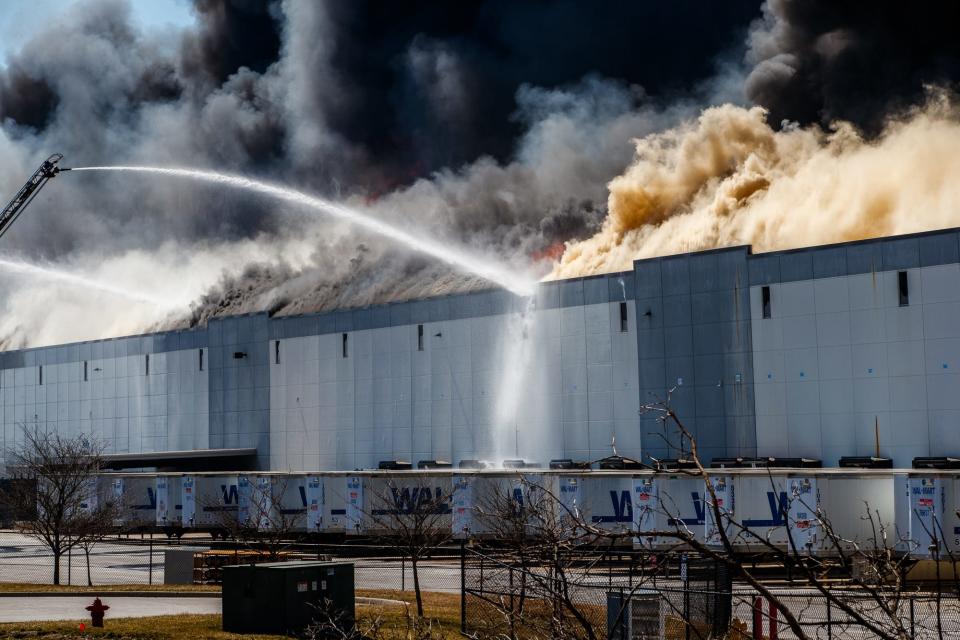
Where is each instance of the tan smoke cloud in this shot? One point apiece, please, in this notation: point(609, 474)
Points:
point(728, 178)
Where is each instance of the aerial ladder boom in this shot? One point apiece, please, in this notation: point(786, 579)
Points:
point(12, 211)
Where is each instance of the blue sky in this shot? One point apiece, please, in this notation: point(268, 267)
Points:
point(20, 19)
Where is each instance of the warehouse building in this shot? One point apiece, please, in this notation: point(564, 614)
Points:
point(821, 352)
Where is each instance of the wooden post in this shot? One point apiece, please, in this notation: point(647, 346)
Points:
point(876, 435)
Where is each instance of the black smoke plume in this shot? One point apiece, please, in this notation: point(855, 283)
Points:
point(491, 124)
point(825, 60)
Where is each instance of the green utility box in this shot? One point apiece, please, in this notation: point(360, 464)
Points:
point(286, 597)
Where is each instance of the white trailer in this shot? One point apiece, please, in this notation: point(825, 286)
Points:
point(856, 505)
point(768, 503)
point(188, 501)
point(272, 502)
point(569, 494)
point(168, 502)
point(216, 502)
point(484, 504)
point(608, 502)
point(681, 507)
point(405, 500)
point(335, 489)
point(725, 496)
point(316, 502)
point(353, 505)
point(648, 516)
point(463, 506)
point(951, 515)
point(290, 502)
point(923, 523)
point(135, 497)
point(803, 513)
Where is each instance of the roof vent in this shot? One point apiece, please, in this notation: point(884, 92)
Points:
point(936, 462)
point(865, 462)
point(434, 464)
point(567, 463)
point(620, 462)
point(394, 465)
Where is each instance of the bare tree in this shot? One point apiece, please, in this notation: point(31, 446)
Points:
point(413, 517)
point(266, 519)
point(545, 551)
point(96, 522)
point(546, 558)
point(874, 568)
point(55, 482)
point(331, 624)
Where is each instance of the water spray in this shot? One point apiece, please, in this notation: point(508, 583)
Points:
point(48, 170)
point(518, 284)
point(47, 273)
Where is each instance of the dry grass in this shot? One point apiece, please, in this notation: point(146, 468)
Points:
point(442, 609)
point(534, 621)
point(152, 628)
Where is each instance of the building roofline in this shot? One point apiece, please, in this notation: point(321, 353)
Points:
point(545, 288)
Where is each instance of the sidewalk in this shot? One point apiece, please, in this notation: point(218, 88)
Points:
point(71, 607)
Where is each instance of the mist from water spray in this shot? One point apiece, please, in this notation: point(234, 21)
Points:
point(524, 416)
point(65, 277)
point(517, 283)
point(516, 345)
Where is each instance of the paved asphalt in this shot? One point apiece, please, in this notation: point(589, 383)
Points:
point(17, 609)
point(24, 560)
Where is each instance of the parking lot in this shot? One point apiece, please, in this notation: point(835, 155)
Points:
point(25, 560)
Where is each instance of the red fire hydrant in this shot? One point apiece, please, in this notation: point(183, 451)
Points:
point(97, 609)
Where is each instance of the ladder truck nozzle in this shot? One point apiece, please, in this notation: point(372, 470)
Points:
point(49, 169)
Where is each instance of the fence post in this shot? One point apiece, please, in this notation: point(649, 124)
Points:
point(150, 563)
point(829, 620)
point(757, 618)
point(463, 587)
point(913, 632)
point(609, 569)
point(773, 621)
point(69, 565)
point(685, 577)
point(403, 573)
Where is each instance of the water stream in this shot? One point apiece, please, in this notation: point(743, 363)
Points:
point(457, 257)
point(519, 340)
point(66, 277)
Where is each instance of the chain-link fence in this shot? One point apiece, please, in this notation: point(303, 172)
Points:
point(623, 597)
point(585, 593)
point(116, 561)
point(620, 595)
point(141, 559)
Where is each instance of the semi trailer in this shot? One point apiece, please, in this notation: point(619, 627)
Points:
point(816, 511)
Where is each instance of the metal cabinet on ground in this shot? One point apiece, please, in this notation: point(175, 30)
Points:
point(286, 597)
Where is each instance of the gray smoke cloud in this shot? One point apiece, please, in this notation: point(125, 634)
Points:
point(578, 138)
point(489, 125)
point(264, 89)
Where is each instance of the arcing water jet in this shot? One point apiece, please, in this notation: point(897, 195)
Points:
point(509, 280)
point(9, 214)
point(46, 273)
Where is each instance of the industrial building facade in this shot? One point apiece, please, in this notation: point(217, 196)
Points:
point(822, 352)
